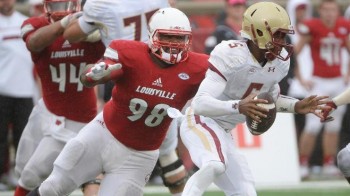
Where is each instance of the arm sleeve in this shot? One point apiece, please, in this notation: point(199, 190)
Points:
point(206, 103)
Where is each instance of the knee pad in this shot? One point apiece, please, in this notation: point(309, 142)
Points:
point(68, 159)
point(57, 185)
point(34, 192)
point(334, 126)
point(312, 124)
point(343, 159)
point(216, 166)
point(29, 179)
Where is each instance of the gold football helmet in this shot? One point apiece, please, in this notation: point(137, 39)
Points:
point(265, 23)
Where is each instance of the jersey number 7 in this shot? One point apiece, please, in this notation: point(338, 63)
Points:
point(136, 20)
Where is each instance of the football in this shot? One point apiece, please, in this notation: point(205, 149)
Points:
point(257, 128)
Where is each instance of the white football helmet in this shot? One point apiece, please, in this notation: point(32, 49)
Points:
point(57, 9)
point(262, 23)
point(169, 22)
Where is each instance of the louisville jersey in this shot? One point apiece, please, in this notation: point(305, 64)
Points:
point(123, 19)
point(59, 66)
point(136, 115)
point(233, 61)
point(326, 45)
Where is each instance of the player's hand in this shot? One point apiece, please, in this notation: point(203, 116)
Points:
point(326, 113)
point(312, 104)
point(70, 17)
point(93, 37)
point(248, 107)
point(101, 70)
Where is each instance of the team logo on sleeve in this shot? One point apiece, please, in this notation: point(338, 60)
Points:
point(184, 76)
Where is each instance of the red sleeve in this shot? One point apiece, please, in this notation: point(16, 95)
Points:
point(32, 24)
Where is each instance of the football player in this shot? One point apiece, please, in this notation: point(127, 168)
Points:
point(237, 70)
point(66, 105)
point(128, 20)
point(343, 161)
point(327, 36)
point(123, 140)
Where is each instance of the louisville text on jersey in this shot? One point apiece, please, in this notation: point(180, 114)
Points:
point(155, 92)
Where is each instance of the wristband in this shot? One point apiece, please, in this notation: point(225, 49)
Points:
point(234, 106)
point(286, 104)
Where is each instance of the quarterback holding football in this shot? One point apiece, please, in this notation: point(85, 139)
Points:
point(239, 70)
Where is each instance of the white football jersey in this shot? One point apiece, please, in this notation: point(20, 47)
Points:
point(244, 75)
point(123, 19)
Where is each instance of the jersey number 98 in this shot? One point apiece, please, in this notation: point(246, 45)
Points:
point(138, 107)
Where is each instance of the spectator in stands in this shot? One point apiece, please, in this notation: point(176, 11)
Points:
point(36, 7)
point(230, 27)
point(299, 10)
point(326, 36)
point(347, 13)
point(344, 135)
point(17, 86)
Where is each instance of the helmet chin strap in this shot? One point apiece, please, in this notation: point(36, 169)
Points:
point(169, 58)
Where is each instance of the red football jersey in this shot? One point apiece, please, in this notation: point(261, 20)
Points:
point(59, 67)
point(326, 45)
point(136, 114)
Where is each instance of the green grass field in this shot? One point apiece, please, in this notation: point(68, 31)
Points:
point(312, 188)
point(323, 188)
point(309, 192)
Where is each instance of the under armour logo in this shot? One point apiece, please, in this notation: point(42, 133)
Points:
point(271, 69)
point(235, 106)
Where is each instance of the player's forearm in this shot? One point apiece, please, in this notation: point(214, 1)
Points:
point(206, 103)
point(211, 107)
point(44, 37)
point(343, 98)
point(73, 32)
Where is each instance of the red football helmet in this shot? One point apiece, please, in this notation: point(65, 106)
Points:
point(57, 9)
